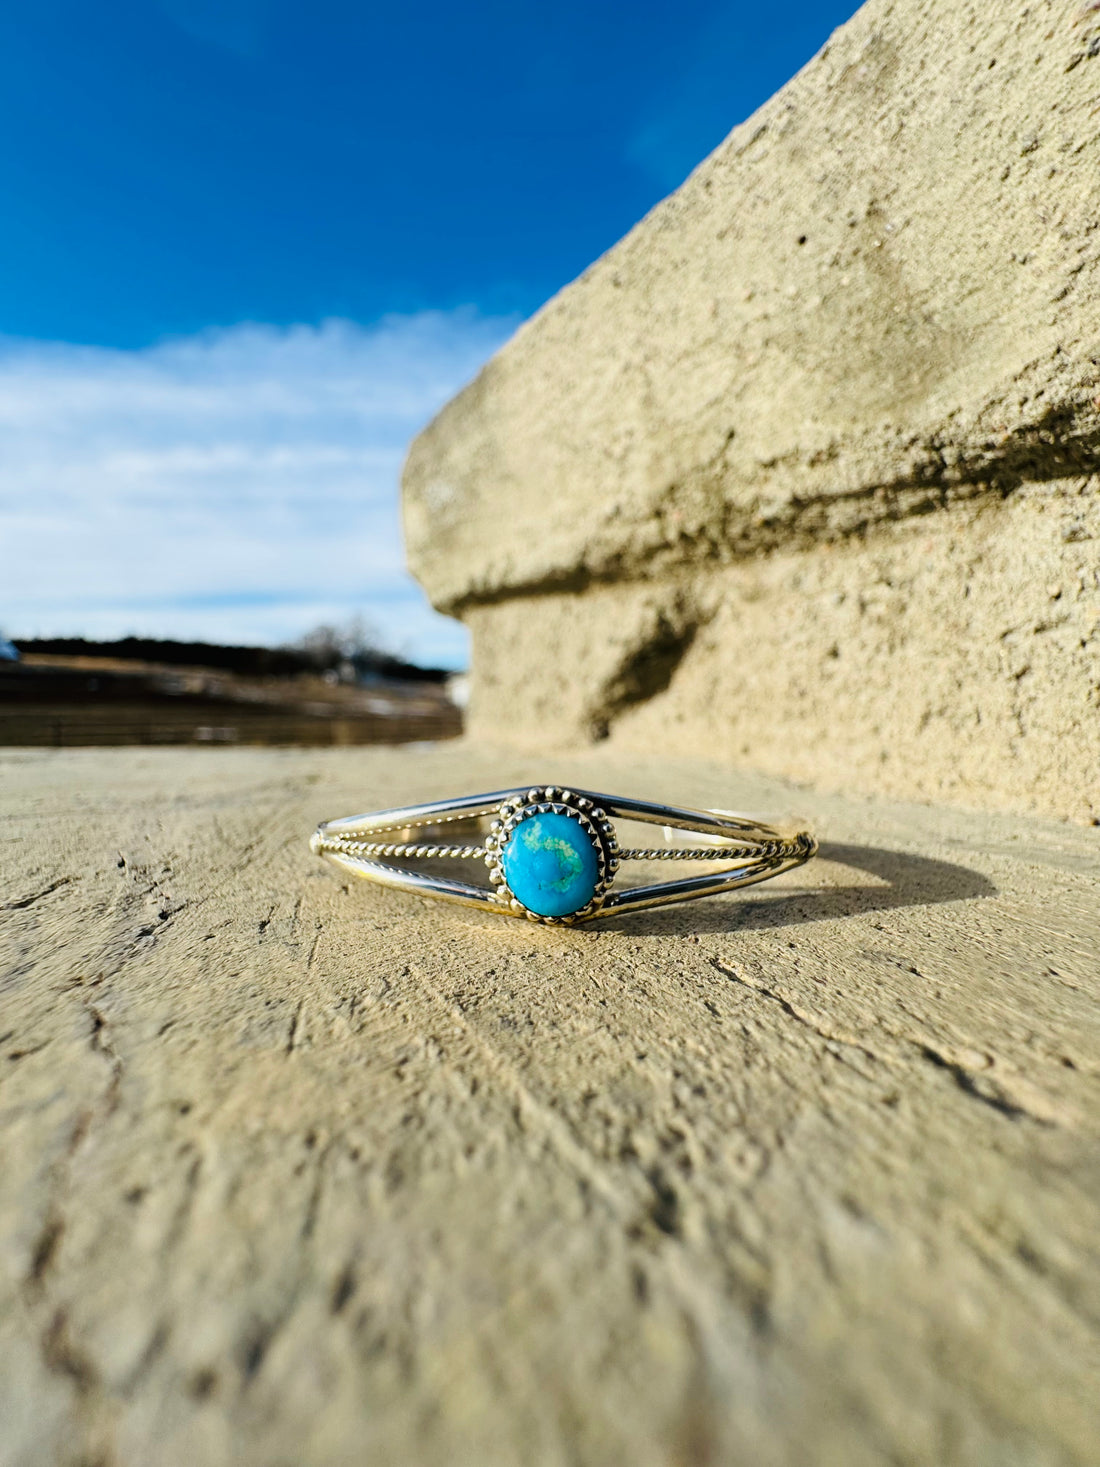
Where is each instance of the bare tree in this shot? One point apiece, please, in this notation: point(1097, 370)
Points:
point(351, 641)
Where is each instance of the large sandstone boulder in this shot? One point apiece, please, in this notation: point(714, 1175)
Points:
point(802, 473)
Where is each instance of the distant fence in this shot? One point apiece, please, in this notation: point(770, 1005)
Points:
point(70, 727)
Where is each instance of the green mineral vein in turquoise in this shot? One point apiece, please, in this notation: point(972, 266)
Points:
point(550, 865)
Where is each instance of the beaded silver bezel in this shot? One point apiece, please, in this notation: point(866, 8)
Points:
point(547, 800)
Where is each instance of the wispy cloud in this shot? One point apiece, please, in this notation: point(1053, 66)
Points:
point(233, 25)
point(239, 485)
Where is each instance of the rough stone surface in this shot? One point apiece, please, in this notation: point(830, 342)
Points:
point(300, 1173)
point(841, 389)
point(955, 659)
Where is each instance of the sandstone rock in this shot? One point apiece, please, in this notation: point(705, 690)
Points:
point(803, 471)
point(297, 1172)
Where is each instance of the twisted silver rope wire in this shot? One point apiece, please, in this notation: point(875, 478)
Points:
point(375, 850)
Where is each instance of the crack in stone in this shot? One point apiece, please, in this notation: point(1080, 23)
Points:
point(22, 903)
point(45, 1249)
point(64, 1357)
point(292, 1034)
point(102, 1045)
point(830, 1036)
point(983, 1088)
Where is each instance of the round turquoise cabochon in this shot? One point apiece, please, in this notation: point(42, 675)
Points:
point(550, 864)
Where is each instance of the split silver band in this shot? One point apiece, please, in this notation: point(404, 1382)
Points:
point(554, 854)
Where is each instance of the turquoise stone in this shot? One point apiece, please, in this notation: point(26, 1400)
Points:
point(550, 864)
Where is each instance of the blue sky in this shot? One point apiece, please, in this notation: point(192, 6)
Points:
point(247, 247)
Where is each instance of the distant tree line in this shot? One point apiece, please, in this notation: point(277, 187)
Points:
point(326, 649)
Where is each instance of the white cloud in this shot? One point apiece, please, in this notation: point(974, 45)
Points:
point(240, 485)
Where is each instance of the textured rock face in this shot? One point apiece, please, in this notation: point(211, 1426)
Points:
point(807, 463)
point(302, 1173)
